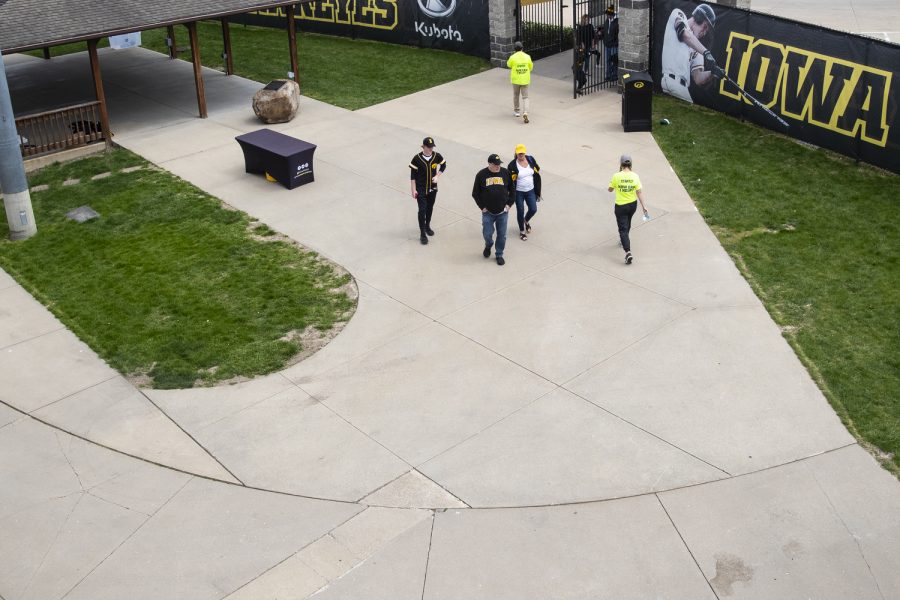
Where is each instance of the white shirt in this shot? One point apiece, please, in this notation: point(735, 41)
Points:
point(525, 180)
point(678, 59)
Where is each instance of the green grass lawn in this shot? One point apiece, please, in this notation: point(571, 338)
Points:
point(815, 235)
point(168, 284)
point(344, 72)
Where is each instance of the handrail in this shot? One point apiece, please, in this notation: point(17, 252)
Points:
point(61, 129)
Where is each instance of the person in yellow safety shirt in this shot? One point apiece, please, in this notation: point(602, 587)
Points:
point(627, 186)
point(520, 76)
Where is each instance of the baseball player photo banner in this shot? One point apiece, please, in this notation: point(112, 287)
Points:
point(832, 89)
point(455, 25)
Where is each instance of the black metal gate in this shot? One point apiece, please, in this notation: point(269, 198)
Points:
point(595, 49)
point(540, 26)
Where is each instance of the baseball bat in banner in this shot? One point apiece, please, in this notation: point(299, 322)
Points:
point(757, 103)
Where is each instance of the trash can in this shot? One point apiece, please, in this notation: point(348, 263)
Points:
point(637, 102)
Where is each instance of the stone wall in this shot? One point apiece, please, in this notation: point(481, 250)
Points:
point(634, 35)
point(502, 14)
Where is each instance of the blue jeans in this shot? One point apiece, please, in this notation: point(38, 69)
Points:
point(488, 222)
point(521, 199)
point(612, 62)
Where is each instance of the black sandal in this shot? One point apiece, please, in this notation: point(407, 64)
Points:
point(527, 227)
point(522, 236)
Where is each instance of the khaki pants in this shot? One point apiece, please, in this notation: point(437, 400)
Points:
point(523, 90)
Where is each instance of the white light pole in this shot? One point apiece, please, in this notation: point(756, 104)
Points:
point(16, 198)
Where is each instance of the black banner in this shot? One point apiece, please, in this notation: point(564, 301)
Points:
point(835, 90)
point(456, 25)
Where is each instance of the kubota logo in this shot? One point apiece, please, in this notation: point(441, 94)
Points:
point(437, 8)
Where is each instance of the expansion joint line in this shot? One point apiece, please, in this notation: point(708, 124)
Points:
point(193, 439)
point(686, 547)
point(428, 556)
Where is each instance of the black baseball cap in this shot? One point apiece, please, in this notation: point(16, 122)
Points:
point(428, 142)
point(494, 159)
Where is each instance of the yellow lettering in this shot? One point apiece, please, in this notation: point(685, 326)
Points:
point(832, 93)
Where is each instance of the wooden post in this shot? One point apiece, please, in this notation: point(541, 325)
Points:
point(292, 41)
point(198, 68)
point(98, 90)
point(170, 39)
point(46, 53)
point(226, 42)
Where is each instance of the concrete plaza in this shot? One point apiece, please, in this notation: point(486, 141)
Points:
point(564, 426)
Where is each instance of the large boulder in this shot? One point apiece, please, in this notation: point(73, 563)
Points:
point(278, 102)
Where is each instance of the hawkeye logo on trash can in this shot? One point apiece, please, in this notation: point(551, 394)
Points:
point(302, 170)
point(638, 85)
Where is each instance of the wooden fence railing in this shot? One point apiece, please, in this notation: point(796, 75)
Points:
point(58, 130)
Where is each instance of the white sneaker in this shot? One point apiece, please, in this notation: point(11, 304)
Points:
point(517, 113)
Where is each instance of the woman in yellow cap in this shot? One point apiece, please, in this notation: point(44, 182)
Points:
point(526, 175)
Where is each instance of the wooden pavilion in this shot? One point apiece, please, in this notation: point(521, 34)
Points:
point(41, 24)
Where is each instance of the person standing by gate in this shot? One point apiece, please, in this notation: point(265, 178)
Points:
point(493, 193)
point(520, 76)
point(611, 43)
point(585, 38)
point(424, 170)
point(526, 177)
point(627, 186)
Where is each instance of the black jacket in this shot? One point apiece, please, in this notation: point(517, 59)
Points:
point(422, 170)
point(514, 173)
point(493, 191)
point(611, 32)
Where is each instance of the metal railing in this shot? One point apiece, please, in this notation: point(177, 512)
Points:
point(540, 26)
point(61, 129)
point(594, 66)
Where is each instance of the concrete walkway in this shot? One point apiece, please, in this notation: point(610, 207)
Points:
point(563, 426)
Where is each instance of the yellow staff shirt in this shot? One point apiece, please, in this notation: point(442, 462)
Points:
point(626, 184)
point(520, 66)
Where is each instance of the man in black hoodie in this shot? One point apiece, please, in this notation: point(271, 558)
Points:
point(493, 193)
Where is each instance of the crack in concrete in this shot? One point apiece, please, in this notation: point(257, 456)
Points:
point(69, 462)
point(111, 503)
point(852, 535)
point(127, 538)
point(52, 544)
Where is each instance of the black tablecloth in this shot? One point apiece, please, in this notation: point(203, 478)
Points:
point(287, 159)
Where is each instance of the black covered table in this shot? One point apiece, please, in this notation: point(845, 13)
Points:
point(287, 159)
